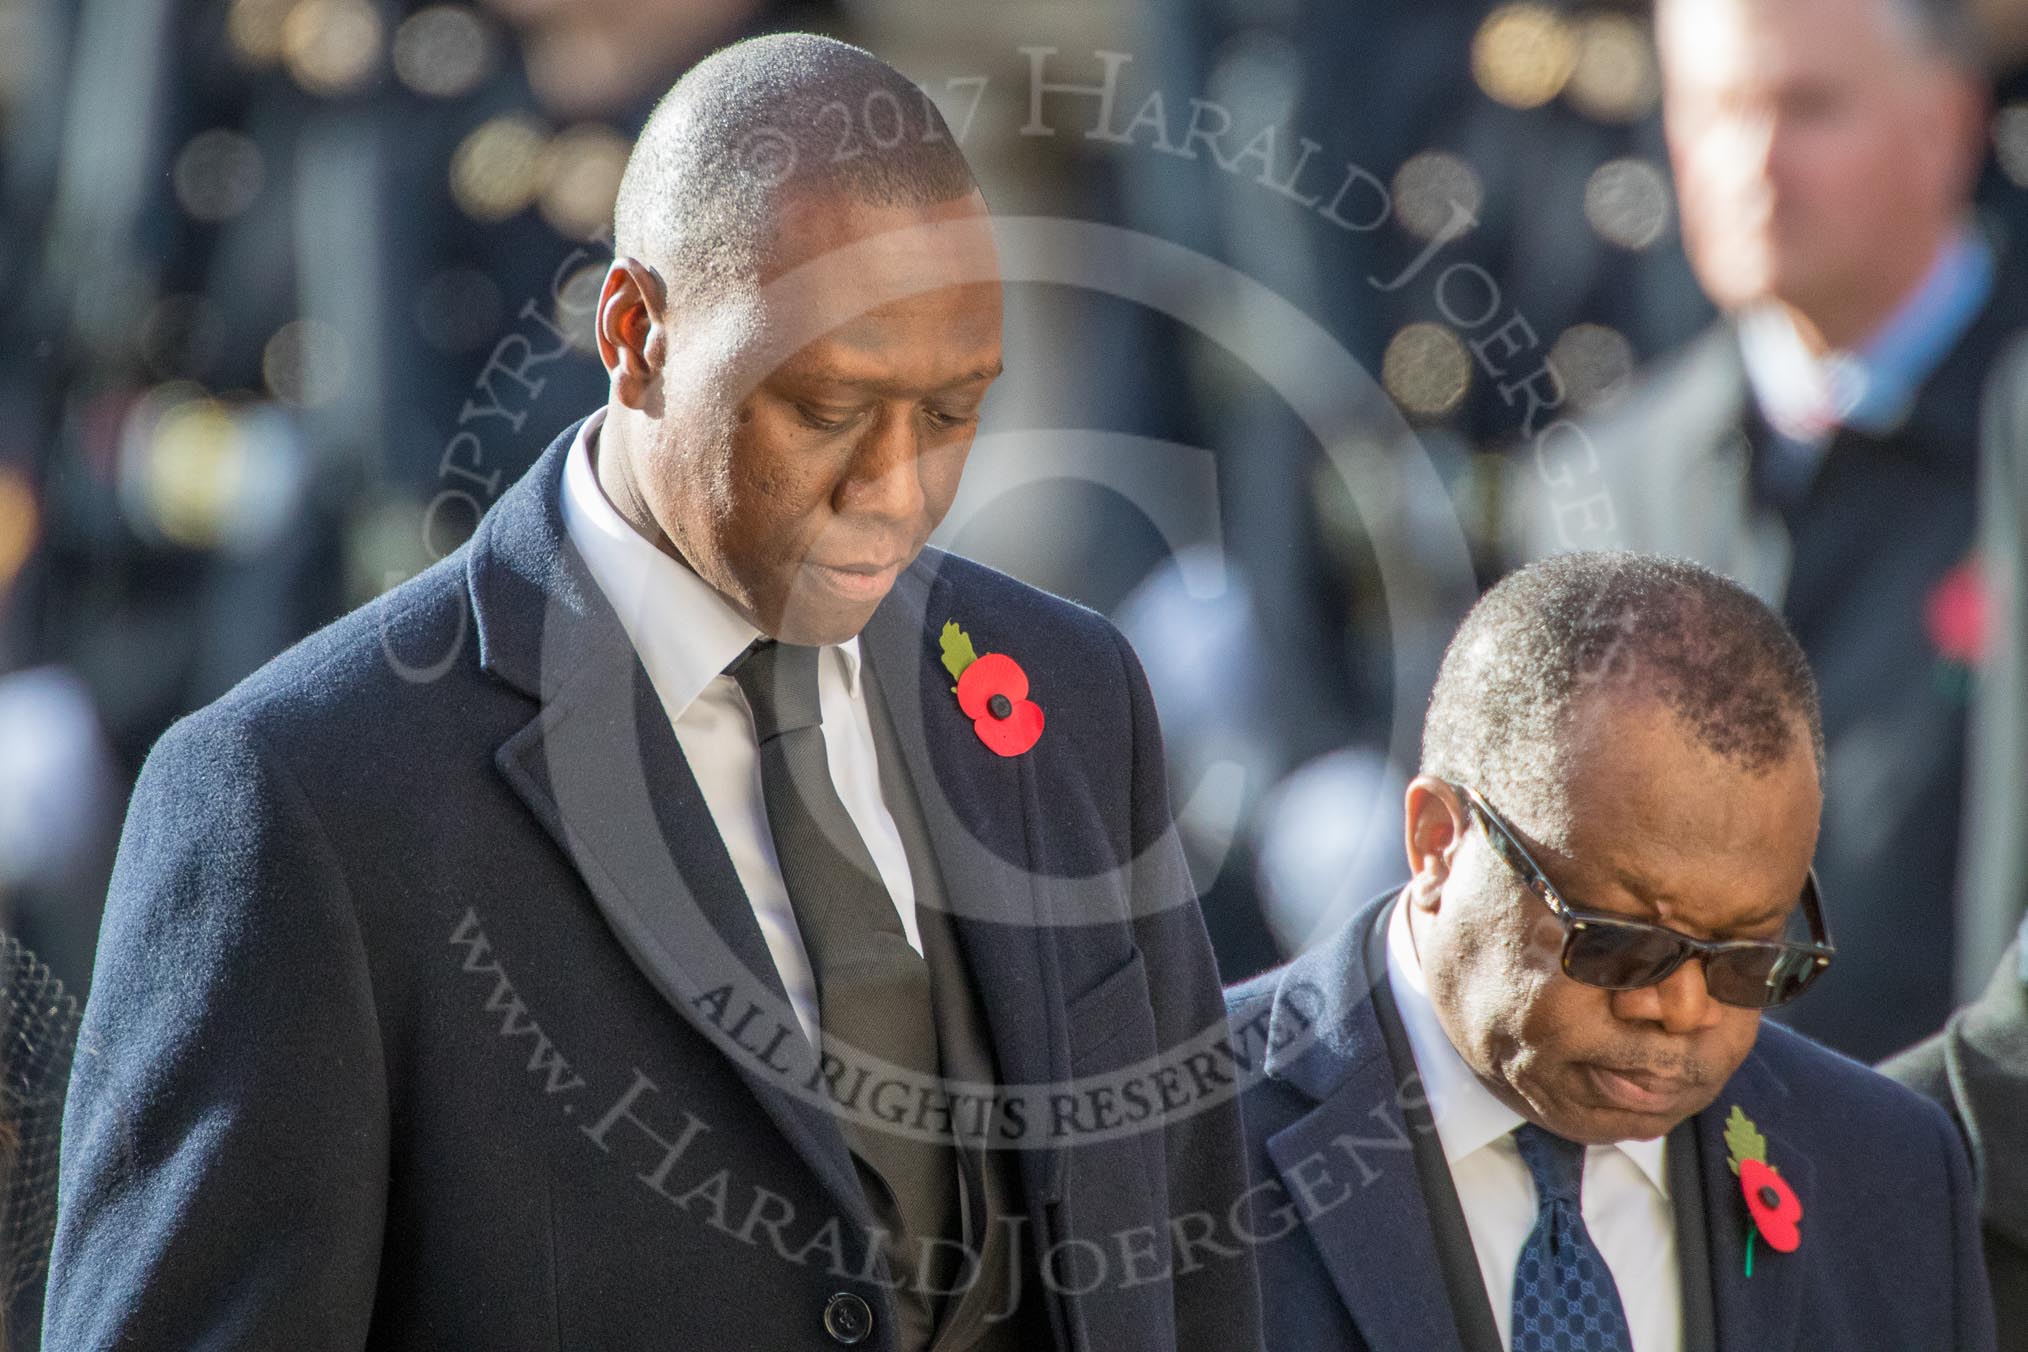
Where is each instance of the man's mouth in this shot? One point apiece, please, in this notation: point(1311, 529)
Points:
point(1637, 1090)
point(856, 581)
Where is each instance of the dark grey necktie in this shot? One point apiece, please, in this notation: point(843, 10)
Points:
point(873, 989)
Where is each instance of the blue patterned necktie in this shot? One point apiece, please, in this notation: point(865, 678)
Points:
point(1564, 1297)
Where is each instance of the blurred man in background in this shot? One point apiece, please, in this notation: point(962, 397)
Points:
point(1977, 1066)
point(1821, 442)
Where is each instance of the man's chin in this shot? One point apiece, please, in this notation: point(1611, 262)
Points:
point(1740, 274)
point(818, 613)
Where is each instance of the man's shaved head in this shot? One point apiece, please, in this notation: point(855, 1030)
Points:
point(799, 328)
point(758, 121)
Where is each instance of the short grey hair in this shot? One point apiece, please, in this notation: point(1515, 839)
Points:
point(1575, 626)
point(785, 113)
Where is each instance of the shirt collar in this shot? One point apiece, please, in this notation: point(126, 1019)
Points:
point(1468, 1118)
point(1870, 387)
point(685, 632)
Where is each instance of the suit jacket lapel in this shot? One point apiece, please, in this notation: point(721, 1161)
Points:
point(600, 767)
point(979, 811)
point(1757, 1313)
point(1470, 1301)
point(1378, 1244)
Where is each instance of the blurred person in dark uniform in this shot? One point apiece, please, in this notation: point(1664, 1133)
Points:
point(1821, 443)
point(318, 264)
point(279, 287)
point(59, 788)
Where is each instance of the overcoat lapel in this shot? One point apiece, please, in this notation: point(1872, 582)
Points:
point(1377, 1242)
point(599, 766)
point(980, 812)
point(1757, 1313)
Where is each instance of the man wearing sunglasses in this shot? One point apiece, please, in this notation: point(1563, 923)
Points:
point(1528, 1103)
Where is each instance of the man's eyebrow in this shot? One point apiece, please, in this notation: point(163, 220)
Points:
point(1643, 894)
point(1767, 915)
point(826, 374)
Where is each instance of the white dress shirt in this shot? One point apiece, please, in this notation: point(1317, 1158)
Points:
point(686, 634)
point(1626, 1185)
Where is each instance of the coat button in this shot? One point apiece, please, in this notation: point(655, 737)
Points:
point(847, 1318)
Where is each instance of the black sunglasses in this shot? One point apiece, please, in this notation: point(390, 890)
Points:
point(1622, 955)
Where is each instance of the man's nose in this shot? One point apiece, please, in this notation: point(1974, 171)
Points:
point(1681, 1002)
point(884, 478)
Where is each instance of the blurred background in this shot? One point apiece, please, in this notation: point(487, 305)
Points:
point(290, 289)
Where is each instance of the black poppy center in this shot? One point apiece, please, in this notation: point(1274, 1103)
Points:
point(999, 706)
point(1769, 1198)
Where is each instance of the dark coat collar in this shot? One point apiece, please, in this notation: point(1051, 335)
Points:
point(1760, 1311)
point(1325, 1040)
point(1322, 1028)
point(538, 616)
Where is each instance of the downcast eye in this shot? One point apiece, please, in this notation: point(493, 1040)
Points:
point(813, 418)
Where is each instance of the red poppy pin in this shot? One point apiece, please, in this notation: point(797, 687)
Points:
point(992, 689)
point(1770, 1201)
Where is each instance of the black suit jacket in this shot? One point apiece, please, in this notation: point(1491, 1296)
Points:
point(1358, 1252)
point(1977, 1068)
point(1853, 565)
point(430, 1013)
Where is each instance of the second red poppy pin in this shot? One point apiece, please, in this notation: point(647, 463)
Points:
point(1771, 1204)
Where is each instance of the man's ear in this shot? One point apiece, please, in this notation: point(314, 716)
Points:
point(1435, 820)
point(631, 338)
